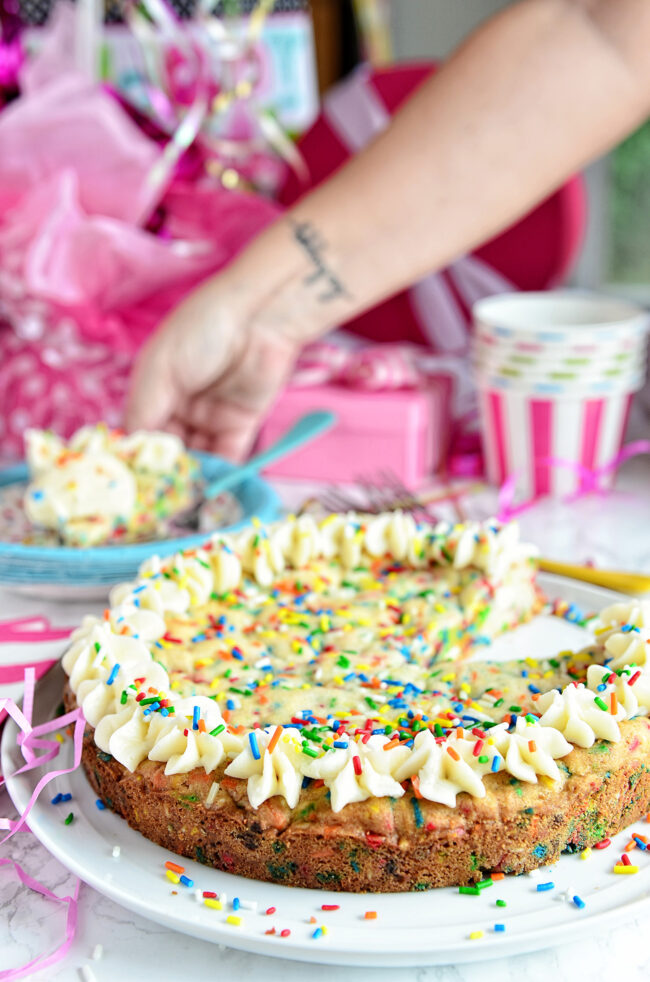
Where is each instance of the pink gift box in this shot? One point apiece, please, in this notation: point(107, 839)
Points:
point(403, 430)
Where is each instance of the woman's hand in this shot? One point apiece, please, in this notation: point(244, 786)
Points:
point(210, 372)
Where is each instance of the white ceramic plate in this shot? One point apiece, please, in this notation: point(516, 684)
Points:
point(426, 928)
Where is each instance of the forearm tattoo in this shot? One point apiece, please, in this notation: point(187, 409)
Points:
point(311, 242)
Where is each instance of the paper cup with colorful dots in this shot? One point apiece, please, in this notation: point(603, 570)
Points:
point(543, 420)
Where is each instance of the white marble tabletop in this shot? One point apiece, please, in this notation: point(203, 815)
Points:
point(113, 943)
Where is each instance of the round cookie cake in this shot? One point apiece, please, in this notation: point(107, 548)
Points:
point(299, 704)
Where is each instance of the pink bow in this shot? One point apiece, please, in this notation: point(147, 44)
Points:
point(388, 366)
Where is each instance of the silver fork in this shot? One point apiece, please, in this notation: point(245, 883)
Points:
point(386, 492)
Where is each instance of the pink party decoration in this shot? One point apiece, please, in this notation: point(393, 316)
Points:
point(37, 750)
point(71, 124)
point(392, 409)
point(70, 902)
point(82, 283)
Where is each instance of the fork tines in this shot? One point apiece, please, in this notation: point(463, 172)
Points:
point(386, 492)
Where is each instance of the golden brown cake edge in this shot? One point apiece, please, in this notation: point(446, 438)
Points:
point(382, 845)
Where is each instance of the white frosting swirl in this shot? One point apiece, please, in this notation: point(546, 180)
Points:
point(577, 715)
point(531, 749)
point(80, 487)
point(271, 773)
point(633, 613)
point(624, 631)
point(444, 768)
point(631, 688)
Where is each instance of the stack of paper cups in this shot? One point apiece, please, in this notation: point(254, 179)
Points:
point(556, 373)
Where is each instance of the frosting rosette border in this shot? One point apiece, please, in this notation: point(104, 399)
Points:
point(125, 692)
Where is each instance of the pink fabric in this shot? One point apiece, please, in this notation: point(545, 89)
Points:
point(82, 284)
point(50, 378)
point(69, 123)
point(79, 294)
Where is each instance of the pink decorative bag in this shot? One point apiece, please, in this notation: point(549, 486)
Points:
point(83, 281)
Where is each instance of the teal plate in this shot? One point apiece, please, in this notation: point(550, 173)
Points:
point(99, 567)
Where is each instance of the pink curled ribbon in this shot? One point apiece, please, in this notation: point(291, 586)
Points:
point(37, 750)
point(591, 479)
point(43, 961)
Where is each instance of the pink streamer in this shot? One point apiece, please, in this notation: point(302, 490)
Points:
point(72, 902)
point(31, 629)
point(15, 673)
point(30, 740)
point(591, 479)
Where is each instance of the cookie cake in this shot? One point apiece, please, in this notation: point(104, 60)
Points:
point(301, 703)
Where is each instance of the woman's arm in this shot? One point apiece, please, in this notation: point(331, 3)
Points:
point(532, 96)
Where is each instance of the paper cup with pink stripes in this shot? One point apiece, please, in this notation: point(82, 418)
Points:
point(541, 430)
point(537, 439)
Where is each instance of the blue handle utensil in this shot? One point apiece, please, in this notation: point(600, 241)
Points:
point(307, 428)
